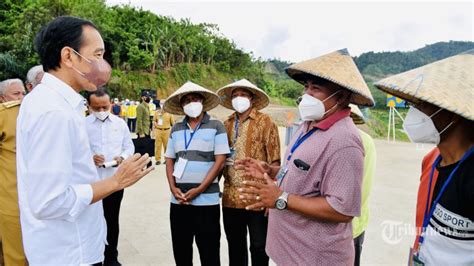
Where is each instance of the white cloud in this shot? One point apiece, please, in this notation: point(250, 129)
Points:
point(296, 31)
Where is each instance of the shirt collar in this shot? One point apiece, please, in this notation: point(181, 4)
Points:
point(253, 114)
point(67, 92)
point(326, 123)
point(204, 120)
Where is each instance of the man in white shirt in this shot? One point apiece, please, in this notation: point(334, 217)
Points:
point(111, 143)
point(59, 189)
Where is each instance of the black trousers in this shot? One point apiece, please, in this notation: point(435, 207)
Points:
point(236, 223)
point(111, 206)
point(132, 123)
point(200, 222)
point(358, 241)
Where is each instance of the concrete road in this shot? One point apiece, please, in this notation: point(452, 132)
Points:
point(145, 237)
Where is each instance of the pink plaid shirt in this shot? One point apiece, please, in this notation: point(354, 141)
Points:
point(336, 156)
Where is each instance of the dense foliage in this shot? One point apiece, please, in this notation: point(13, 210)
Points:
point(151, 51)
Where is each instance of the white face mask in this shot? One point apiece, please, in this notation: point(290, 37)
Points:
point(193, 109)
point(101, 115)
point(312, 109)
point(420, 127)
point(241, 104)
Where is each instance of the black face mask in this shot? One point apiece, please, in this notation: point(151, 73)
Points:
point(147, 99)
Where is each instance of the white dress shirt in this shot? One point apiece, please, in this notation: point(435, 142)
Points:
point(60, 226)
point(110, 138)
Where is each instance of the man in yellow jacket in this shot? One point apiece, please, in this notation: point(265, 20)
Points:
point(132, 116)
point(162, 123)
point(11, 94)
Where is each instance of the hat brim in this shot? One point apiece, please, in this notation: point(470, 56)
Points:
point(172, 105)
point(260, 99)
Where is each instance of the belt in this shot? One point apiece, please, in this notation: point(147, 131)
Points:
point(163, 128)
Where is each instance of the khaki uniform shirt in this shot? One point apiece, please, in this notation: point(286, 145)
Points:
point(8, 186)
point(167, 120)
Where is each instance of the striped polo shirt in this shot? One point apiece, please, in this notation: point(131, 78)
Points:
point(209, 140)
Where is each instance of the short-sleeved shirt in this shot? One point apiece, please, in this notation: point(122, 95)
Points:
point(257, 138)
point(449, 237)
point(210, 139)
point(336, 157)
point(167, 120)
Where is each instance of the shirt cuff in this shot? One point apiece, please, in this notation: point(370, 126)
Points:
point(84, 194)
point(340, 208)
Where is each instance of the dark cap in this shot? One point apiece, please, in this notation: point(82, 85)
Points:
point(145, 93)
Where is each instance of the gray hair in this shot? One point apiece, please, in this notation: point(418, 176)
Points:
point(6, 83)
point(33, 73)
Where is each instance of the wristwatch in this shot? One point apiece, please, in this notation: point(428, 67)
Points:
point(282, 202)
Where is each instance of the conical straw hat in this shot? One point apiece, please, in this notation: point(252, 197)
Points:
point(356, 115)
point(447, 83)
point(173, 106)
point(260, 98)
point(339, 68)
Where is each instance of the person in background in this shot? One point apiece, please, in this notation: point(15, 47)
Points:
point(124, 109)
point(60, 192)
point(360, 223)
point(132, 116)
point(251, 134)
point(116, 108)
point(318, 189)
point(111, 144)
point(195, 155)
point(143, 116)
point(441, 113)
point(162, 124)
point(33, 77)
point(152, 108)
point(11, 90)
point(11, 94)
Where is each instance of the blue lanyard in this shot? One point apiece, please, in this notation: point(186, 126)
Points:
point(427, 216)
point(186, 143)
point(299, 141)
point(236, 130)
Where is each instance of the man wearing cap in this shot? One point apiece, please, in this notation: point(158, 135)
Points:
point(196, 153)
point(33, 77)
point(359, 224)
point(11, 92)
point(254, 135)
point(318, 189)
point(143, 116)
point(442, 114)
point(162, 123)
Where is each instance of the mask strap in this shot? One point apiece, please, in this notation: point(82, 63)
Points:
point(446, 127)
point(435, 113)
point(88, 61)
point(331, 96)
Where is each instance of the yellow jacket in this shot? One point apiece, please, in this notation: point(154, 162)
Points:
point(132, 111)
point(8, 186)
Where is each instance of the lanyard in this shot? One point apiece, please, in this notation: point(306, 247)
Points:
point(186, 143)
point(427, 216)
point(299, 141)
point(236, 130)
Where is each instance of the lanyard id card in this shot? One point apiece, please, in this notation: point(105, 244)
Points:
point(414, 259)
point(230, 160)
point(160, 121)
point(179, 167)
point(281, 174)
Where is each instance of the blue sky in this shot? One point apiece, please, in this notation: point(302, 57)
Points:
point(295, 31)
